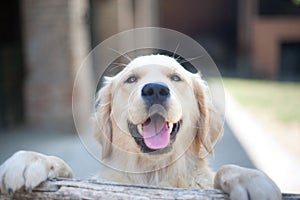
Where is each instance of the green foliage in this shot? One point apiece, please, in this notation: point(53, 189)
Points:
point(281, 100)
point(296, 2)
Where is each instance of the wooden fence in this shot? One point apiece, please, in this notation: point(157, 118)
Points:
point(88, 189)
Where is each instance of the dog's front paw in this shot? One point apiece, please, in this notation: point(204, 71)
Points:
point(28, 169)
point(246, 184)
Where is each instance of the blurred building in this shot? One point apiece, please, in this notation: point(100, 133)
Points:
point(43, 42)
point(274, 38)
point(259, 38)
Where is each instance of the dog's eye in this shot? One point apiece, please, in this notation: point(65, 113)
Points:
point(175, 77)
point(131, 79)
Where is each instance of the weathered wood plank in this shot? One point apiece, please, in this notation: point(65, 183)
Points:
point(88, 189)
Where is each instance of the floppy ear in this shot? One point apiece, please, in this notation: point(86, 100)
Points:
point(210, 123)
point(103, 127)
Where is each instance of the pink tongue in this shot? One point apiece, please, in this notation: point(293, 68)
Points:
point(155, 132)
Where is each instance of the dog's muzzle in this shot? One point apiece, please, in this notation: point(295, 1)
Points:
point(155, 135)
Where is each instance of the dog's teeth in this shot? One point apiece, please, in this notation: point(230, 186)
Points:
point(140, 128)
point(170, 125)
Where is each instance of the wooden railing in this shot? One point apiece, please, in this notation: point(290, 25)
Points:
point(88, 189)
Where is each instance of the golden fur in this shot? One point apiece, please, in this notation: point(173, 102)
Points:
point(183, 165)
point(189, 101)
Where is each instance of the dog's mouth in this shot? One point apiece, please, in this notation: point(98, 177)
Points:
point(155, 135)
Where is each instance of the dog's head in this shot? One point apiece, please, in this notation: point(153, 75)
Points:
point(154, 106)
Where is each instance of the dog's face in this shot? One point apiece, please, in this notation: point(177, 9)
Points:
point(154, 106)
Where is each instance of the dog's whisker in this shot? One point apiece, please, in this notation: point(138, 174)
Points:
point(174, 53)
point(124, 55)
point(118, 65)
point(191, 59)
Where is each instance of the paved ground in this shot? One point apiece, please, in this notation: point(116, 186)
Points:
point(229, 151)
point(265, 151)
point(68, 147)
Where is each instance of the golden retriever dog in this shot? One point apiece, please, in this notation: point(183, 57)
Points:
point(154, 121)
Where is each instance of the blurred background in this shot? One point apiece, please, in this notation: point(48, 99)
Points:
point(255, 44)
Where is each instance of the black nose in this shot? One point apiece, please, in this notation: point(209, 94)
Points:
point(155, 93)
